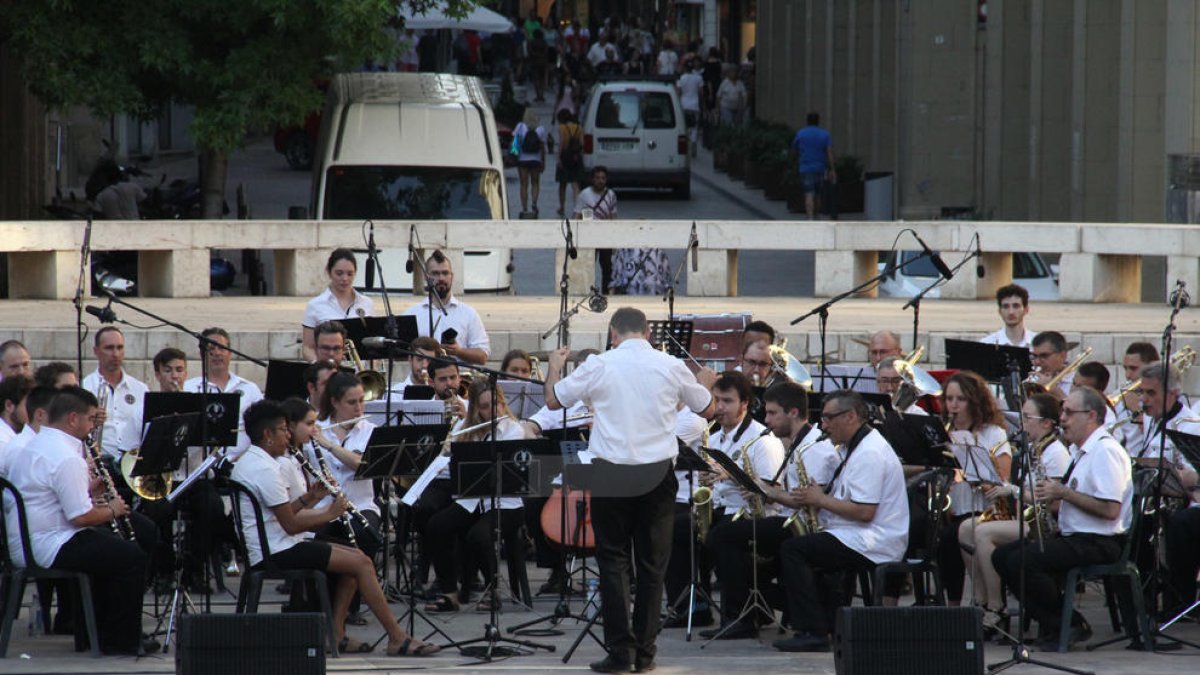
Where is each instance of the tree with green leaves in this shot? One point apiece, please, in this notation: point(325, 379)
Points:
point(244, 66)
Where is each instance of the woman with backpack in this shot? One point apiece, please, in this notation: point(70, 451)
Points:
point(569, 168)
point(530, 139)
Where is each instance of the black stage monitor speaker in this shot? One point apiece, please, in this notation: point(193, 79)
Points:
point(908, 641)
point(251, 644)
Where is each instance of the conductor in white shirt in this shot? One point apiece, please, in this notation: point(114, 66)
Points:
point(635, 391)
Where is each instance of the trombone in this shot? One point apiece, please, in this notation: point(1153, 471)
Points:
point(373, 382)
point(1071, 367)
point(1180, 362)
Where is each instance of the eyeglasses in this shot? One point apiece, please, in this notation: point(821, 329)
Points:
point(888, 380)
point(829, 417)
point(756, 364)
point(1032, 418)
point(1068, 411)
point(1042, 356)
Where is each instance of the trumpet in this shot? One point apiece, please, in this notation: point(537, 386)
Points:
point(374, 384)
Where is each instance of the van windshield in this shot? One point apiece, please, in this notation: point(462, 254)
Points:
point(626, 109)
point(412, 192)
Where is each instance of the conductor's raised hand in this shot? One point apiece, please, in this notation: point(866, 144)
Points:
point(707, 377)
point(558, 358)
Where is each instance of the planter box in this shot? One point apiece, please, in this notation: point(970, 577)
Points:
point(737, 166)
point(756, 175)
point(851, 197)
point(795, 199)
point(774, 186)
point(720, 161)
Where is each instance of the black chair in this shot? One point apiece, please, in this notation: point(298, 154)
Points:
point(1139, 624)
point(518, 571)
point(13, 579)
point(252, 578)
point(923, 565)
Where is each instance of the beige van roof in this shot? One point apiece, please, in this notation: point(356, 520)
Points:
point(416, 88)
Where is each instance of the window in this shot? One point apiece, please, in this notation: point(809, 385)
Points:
point(412, 192)
point(630, 109)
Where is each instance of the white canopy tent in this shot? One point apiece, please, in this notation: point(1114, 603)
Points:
point(479, 19)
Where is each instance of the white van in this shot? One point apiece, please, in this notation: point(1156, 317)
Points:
point(636, 129)
point(412, 146)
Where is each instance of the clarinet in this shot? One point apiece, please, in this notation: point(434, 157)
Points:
point(324, 477)
point(121, 525)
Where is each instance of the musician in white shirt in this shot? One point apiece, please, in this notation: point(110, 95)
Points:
point(1094, 504)
point(340, 446)
point(13, 390)
point(1013, 303)
point(125, 394)
point(1128, 410)
point(456, 325)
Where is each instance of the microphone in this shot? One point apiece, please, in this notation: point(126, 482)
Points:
point(597, 303)
point(694, 245)
point(1179, 297)
point(940, 264)
point(378, 342)
point(371, 255)
point(979, 270)
point(571, 250)
point(408, 265)
point(104, 314)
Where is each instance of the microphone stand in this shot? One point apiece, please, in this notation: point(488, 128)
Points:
point(429, 290)
point(822, 310)
point(669, 296)
point(1020, 653)
point(85, 254)
point(915, 302)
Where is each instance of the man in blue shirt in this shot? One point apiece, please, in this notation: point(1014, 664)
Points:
point(814, 146)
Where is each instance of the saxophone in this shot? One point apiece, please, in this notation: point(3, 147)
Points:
point(1041, 522)
point(754, 506)
point(702, 497)
point(1000, 508)
point(804, 520)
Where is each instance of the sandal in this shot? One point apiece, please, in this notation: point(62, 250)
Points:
point(488, 602)
point(407, 648)
point(442, 604)
point(351, 646)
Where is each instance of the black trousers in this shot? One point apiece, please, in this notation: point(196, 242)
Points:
point(811, 570)
point(437, 496)
point(117, 570)
point(1183, 558)
point(729, 548)
point(208, 526)
point(949, 557)
point(1045, 569)
point(679, 567)
point(461, 541)
point(633, 531)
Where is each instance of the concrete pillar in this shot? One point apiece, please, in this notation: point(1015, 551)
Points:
point(581, 271)
point(718, 275)
point(1091, 277)
point(300, 272)
point(43, 275)
point(839, 271)
point(174, 274)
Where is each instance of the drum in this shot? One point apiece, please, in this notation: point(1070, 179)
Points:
point(717, 338)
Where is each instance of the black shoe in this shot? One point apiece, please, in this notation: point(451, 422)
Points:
point(803, 642)
point(646, 666)
point(731, 631)
point(149, 646)
point(611, 665)
point(1077, 633)
point(553, 586)
point(699, 618)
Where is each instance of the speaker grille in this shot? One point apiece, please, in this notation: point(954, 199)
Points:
point(258, 644)
point(902, 640)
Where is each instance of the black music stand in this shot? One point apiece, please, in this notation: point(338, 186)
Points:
point(221, 422)
point(285, 379)
point(401, 451)
point(1188, 445)
point(991, 362)
point(933, 432)
point(584, 477)
point(359, 329)
point(670, 336)
point(419, 392)
point(756, 601)
point(691, 462)
point(524, 398)
point(494, 469)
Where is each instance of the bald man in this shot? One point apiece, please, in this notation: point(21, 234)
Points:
point(881, 345)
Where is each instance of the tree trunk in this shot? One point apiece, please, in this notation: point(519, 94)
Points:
point(214, 169)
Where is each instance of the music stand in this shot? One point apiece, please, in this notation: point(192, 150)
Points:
point(285, 379)
point(360, 328)
point(936, 440)
point(419, 392)
point(491, 470)
point(524, 398)
point(680, 333)
point(691, 462)
point(988, 360)
point(1188, 445)
point(222, 414)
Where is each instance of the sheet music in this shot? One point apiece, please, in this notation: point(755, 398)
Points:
point(414, 411)
point(858, 378)
point(435, 467)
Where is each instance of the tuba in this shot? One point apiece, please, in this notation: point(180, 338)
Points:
point(914, 382)
point(373, 382)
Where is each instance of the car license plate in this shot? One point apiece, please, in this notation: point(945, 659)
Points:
point(618, 146)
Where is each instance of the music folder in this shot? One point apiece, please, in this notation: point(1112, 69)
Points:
point(735, 473)
point(223, 414)
point(1188, 445)
point(991, 362)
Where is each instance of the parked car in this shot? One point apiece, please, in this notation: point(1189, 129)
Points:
point(1029, 270)
point(636, 129)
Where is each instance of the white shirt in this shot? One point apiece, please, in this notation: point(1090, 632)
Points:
point(1151, 440)
point(509, 430)
point(668, 61)
point(1131, 434)
point(325, 307)
point(248, 393)
point(689, 428)
point(871, 475)
point(547, 419)
point(7, 433)
point(293, 475)
point(971, 451)
point(123, 428)
point(820, 461)
point(635, 391)
point(53, 482)
point(766, 455)
point(599, 53)
point(1101, 471)
point(14, 447)
point(1001, 338)
point(361, 493)
point(690, 84)
point(1055, 459)
point(459, 316)
point(603, 205)
point(264, 477)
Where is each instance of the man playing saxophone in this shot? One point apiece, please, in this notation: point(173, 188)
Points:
point(750, 445)
point(811, 459)
point(863, 517)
